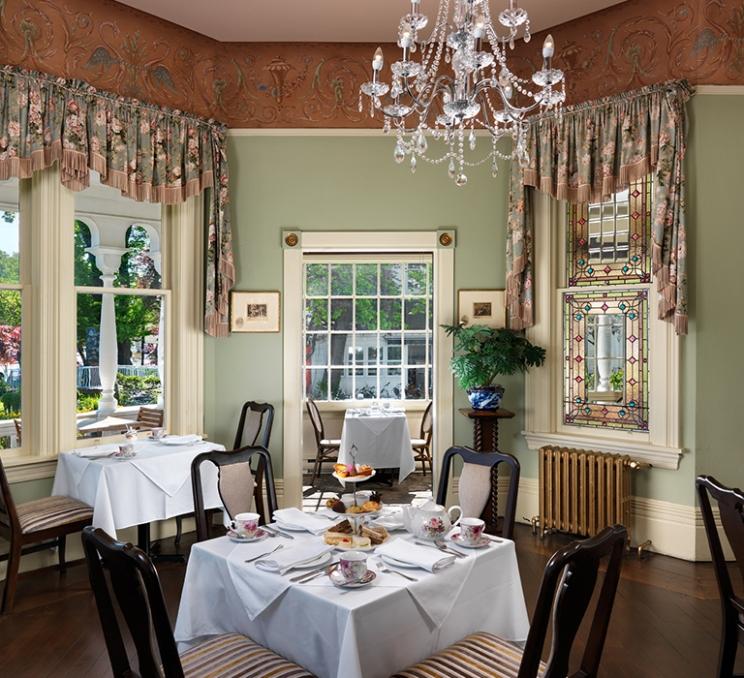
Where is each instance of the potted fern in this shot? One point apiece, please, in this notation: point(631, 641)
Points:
point(482, 354)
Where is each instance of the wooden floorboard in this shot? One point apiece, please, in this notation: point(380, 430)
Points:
point(665, 623)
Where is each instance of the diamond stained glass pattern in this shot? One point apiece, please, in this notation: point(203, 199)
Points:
point(608, 242)
point(606, 359)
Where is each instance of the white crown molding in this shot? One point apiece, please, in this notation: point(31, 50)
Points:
point(304, 132)
point(720, 90)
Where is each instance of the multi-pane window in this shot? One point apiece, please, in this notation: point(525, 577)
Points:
point(10, 317)
point(119, 329)
point(605, 312)
point(368, 328)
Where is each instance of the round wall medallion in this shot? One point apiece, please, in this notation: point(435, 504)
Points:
point(291, 240)
point(445, 239)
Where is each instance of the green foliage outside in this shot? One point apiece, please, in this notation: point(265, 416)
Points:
point(483, 353)
point(87, 401)
point(134, 390)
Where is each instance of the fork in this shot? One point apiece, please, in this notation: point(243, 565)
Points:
point(383, 568)
point(263, 555)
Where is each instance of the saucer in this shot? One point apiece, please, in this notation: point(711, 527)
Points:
point(338, 580)
point(124, 457)
point(233, 536)
point(482, 543)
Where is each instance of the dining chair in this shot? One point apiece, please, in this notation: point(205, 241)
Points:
point(138, 595)
point(730, 504)
point(254, 425)
point(565, 593)
point(37, 525)
point(422, 445)
point(240, 487)
point(19, 431)
point(478, 486)
point(326, 448)
point(149, 418)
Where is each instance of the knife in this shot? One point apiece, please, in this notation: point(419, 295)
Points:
point(276, 531)
point(317, 572)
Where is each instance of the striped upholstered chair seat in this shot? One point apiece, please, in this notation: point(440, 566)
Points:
point(42, 514)
point(235, 656)
point(481, 655)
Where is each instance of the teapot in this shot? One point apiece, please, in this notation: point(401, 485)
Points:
point(430, 521)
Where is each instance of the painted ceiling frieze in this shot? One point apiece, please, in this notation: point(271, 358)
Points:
point(285, 85)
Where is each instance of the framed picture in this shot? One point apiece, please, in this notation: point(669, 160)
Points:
point(254, 312)
point(482, 307)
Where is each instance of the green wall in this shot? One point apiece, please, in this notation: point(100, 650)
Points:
point(349, 183)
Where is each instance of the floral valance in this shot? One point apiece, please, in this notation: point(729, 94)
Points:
point(149, 153)
point(590, 151)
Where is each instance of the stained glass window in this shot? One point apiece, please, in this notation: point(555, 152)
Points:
point(608, 241)
point(606, 359)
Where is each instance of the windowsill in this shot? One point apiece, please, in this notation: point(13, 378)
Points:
point(24, 467)
point(656, 455)
point(343, 405)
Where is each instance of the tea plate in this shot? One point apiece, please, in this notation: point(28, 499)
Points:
point(124, 457)
point(343, 547)
point(233, 536)
point(354, 479)
point(482, 543)
point(339, 580)
point(322, 559)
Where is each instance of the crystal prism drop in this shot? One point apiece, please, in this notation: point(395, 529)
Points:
point(451, 168)
point(471, 140)
point(399, 154)
point(413, 163)
point(461, 180)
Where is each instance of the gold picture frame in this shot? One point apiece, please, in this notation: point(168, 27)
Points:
point(482, 307)
point(254, 311)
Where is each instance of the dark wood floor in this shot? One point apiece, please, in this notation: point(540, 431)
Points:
point(665, 622)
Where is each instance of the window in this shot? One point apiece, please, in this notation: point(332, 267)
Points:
point(605, 327)
point(368, 328)
point(120, 319)
point(10, 317)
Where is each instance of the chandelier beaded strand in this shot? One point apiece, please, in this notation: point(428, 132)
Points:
point(478, 93)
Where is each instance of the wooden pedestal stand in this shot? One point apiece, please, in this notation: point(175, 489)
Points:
point(486, 439)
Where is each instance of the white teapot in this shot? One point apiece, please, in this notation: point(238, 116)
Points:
point(430, 521)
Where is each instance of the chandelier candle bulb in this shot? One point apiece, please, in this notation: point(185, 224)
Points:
point(378, 60)
point(548, 48)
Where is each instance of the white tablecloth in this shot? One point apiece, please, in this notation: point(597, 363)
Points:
point(382, 440)
point(338, 633)
point(154, 485)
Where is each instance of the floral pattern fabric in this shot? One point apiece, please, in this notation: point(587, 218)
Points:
point(149, 153)
point(590, 151)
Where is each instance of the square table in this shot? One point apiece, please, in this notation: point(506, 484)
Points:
point(370, 632)
point(154, 485)
point(381, 438)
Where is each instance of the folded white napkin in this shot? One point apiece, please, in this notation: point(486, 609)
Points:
point(293, 517)
point(181, 440)
point(97, 451)
point(430, 559)
point(284, 560)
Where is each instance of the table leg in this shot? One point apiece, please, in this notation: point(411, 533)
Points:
point(143, 541)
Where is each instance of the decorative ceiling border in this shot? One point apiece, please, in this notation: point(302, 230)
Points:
point(315, 85)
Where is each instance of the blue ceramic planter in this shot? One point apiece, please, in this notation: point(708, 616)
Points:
point(486, 397)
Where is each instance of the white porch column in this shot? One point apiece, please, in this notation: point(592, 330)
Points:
point(108, 260)
point(604, 352)
point(157, 260)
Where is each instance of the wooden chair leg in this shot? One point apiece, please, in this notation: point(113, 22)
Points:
point(729, 643)
point(11, 579)
point(61, 546)
point(179, 530)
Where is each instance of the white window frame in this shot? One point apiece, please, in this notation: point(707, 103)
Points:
point(441, 245)
point(362, 370)
point(543, 419)
point(49, 322)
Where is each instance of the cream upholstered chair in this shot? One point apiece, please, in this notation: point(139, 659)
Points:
point(136, 588)
point(326, 448)
point(36, 523)
point(422, 445)
point(254, 425)
point(565, 593)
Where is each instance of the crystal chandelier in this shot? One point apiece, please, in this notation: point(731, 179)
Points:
point(480, 91)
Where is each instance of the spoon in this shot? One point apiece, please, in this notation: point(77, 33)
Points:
point(442, 546)
point(263, 555)
point(387, 570)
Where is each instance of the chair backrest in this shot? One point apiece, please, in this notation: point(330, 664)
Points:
point(426, 423)
point(19, 430)
point(254, 425)
point(235, 484)
point(731, 507)
point(489, 461)
point(566, 590)
point(8, 514)
point(129, 573)
point(316, 420)
point(150, 417)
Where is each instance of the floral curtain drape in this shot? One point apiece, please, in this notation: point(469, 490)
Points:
point(149, 153)
point(591, 151)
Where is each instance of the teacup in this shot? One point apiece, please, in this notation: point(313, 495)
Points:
point(353, 565)
point(157, 433)
point(245, 524)
point(126, 450)
point(471, 530)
